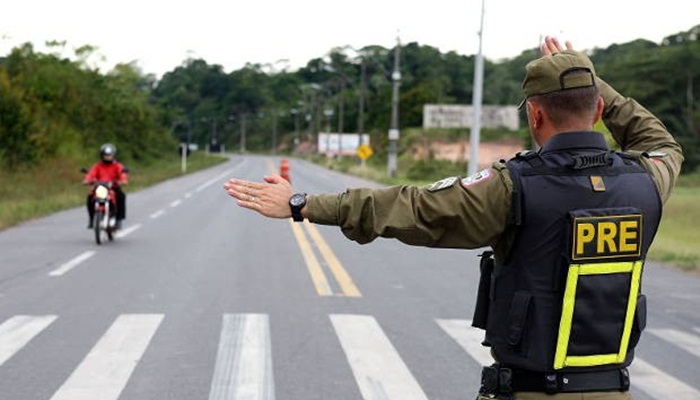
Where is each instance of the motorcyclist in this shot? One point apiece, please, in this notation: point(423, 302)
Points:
point(108, 169)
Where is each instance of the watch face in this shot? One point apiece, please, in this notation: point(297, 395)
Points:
point(297, 199)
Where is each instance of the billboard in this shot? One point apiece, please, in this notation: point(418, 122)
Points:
point(346, 144)
point(460, 116)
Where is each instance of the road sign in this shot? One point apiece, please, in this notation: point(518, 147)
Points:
point(460, 116)
point(364, 152)
point(333, 144)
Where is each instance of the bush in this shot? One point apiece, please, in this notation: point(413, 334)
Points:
point(430, 170)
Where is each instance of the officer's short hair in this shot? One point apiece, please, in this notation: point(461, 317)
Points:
point(563, 105)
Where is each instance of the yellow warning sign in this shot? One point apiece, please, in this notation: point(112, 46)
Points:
point(364, 152)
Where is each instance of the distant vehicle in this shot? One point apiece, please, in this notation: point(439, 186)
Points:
point(105, 218)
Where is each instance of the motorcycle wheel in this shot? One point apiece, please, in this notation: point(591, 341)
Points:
point(98, 226)
point(110, 234)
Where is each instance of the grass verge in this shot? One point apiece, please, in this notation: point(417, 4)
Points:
point(677, 240)
point(56, 185)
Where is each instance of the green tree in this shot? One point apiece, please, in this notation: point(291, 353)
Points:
point(15, 130)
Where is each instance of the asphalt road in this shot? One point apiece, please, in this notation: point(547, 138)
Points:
point(200, 299)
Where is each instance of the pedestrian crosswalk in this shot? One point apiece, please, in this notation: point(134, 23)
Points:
point(377, 366)
point(244, 364)
point(106, 369)
point(17, 331)
point(244, 360)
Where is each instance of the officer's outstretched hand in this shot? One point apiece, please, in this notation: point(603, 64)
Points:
point(270, 198)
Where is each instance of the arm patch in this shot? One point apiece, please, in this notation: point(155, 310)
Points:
point(442, 184)
point(654, 154)
point(476, 178)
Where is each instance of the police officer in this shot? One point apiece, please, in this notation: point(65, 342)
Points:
point(570, 225)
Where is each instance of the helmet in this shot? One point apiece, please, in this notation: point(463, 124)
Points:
point(108, 149)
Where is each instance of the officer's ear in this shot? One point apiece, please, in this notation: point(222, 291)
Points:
point(534, 112)
point(541, 127)
point(599, 110)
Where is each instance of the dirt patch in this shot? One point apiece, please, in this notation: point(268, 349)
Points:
point(489, 152)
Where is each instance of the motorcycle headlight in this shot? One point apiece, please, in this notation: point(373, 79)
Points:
point(101, 192)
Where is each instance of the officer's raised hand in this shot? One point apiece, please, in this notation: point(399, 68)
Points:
point(551, 46)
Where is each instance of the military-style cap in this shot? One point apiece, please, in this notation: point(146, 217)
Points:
point(566, 70)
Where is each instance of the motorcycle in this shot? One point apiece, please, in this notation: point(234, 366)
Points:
point(105, 206)
point(105, 219)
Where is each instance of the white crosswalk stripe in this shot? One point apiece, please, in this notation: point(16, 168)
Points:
point(243, 366)
point(379, 370)
point(244, 360)
point(469, 338)
point(106, 369)
point(17, 331)
point(658, 384)
point(686, 341)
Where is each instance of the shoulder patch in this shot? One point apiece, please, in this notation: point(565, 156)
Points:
point(526, 154)
point(655, 154)
point(480, 176)
point(442, 184)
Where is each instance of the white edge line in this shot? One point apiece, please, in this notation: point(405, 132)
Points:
point(72, 263)
point(214, 180)
point(128, 230)
point(157, 214)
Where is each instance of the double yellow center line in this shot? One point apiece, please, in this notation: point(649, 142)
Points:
point(323, 288)
point(344, 283)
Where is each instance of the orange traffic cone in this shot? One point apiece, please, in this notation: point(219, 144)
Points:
point(284, 170)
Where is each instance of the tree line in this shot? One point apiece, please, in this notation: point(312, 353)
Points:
point(52, 106)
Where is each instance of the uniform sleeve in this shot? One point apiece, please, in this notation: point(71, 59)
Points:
point(452, 213)
point(639, 132)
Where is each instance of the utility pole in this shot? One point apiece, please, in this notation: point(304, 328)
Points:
point(214, 139)
point(341, 108)
point(328, 112)
point(243, 133)
point(274, 131)
point(295, 112)
point(476, 103)
point(190, 124)
point(394, 129)
point(361, 105)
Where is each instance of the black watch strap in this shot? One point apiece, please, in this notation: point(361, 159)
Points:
point(296, 214)
point(296, 203)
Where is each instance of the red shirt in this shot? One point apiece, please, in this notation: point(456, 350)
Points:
point(112, 172)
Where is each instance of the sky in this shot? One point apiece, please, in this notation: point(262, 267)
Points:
point(158, 36)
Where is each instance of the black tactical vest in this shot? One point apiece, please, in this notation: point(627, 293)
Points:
point(568, 296)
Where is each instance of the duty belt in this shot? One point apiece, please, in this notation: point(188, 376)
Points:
point(593, 381)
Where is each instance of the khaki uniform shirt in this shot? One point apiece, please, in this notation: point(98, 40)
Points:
point(476, 211)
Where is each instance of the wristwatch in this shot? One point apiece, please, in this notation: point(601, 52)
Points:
point(296, 203)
